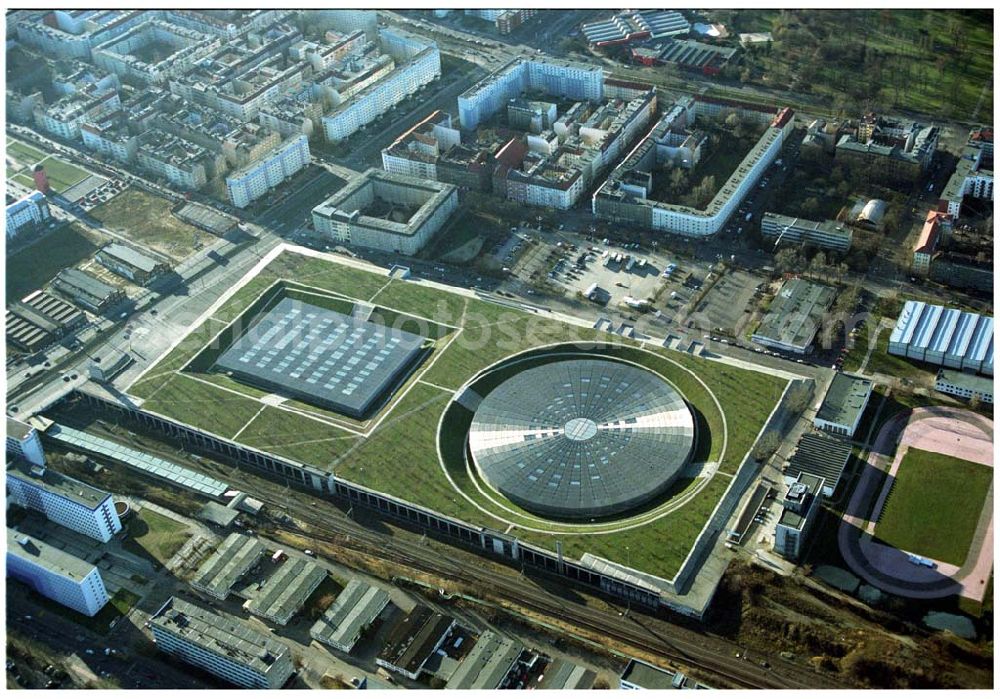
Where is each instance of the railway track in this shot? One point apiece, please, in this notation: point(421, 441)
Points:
point(636, 630)
point(710, 656)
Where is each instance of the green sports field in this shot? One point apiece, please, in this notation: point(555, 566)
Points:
point(395, 450)
point(62, 175)
point(934, 505)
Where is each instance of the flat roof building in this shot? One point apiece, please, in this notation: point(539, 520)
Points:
point(73, 504)
point(563, 674)
point(221, 646)
point(287, 590)
point(944, 336)
point(356, 608)
point(27, 213)
point(641, 675)
point(413, 640)
point(801, 506)
point(487, 664)
point(51, 572)
point(235, 556)
point(829, 235)
point(795, 316)
point(23, 441)
point(383, 211)
point(963, 385)
point(844, 404)
point(821, 456)
point(327, 358)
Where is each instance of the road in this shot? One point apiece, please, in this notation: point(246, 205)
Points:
point(36, 622)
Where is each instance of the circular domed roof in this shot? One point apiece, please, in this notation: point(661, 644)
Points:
point(582, 437)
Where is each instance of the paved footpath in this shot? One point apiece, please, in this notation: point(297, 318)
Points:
point(946, 430)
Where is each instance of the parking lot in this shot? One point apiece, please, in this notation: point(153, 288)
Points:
point(730, 302)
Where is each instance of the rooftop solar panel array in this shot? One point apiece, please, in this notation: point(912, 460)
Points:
point(146, 462)
point(322, 356)
point(582, 437)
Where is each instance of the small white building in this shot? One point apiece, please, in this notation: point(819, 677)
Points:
point(844, 404)
point(27, 213)
point(61, 577)
point(802, 504)
point(23, 440)
point(963, 385)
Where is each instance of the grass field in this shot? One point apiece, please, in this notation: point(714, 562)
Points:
point(62, 175)
point(408, 427)
point(934, 505)
point(146, 219)
point(32, 267)
point(154, 536)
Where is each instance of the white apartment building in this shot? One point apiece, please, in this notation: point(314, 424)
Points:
point(109, 135)
point(64, 116)
point(345, 219)
point(380, 97)
point(619, 202)
point(32, 210)
point(23, 441)
point(556, 78)
point(829, 235)
point(63, 500)
point(221, 645)
point(72, 33)
point(269, 171)
point(415, 153)
point(62, 578)
point(118, 55)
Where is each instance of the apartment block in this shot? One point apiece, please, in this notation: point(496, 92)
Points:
point(27, 213)
point(63, 578)
point(221, 645)
point(268, 171)
point(23, 441)
point(63, 500)
point(623, 198)
point(553, 77)
point(362, 212)
point(417, 63)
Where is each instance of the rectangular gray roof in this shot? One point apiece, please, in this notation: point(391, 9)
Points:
point(219, 634)
point(38, 552)
point(845, 399)
point(647, 676)
point(90, 285)
point(131, 257)
point(287, 590)
point(412, 640)
point(325, 357)
point(56, 483)
point(977, 384)
point(821, 456)
point(487, 664)
point(234, 557)
point(796, 314)
point(355, 608)
point(562, 674)
point(17, 429)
